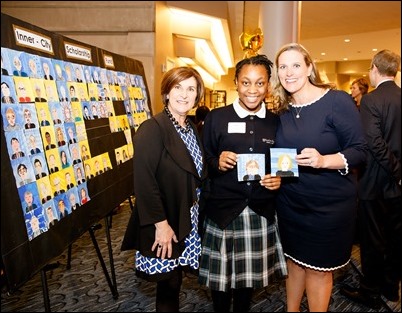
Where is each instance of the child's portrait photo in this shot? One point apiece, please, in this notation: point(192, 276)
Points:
point(29, 198)
point(250, 166)
point(35, 223)
point(34, 66)
point(29, 115)
point(5, 62)
point(38, 88)
point(23, 89)
point(12, 117)
point(23, 171)
point(283, 162)
point(8, 94)
point(16, 144)
point(33, 141)
point(51, 91)
point(19, 63)
point(39, 164)
point(47, 67)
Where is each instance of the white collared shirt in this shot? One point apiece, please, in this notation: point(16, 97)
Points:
point(242, 113)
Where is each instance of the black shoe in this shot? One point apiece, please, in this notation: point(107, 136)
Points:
point(362, 296)
point(392, 294)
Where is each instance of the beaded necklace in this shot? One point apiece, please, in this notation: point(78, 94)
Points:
point(185, 129)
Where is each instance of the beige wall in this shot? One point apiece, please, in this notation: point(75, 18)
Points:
point(141, 30)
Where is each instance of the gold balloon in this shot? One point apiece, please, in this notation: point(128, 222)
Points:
point(251, 43)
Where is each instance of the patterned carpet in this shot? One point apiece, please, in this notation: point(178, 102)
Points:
point(84, 288)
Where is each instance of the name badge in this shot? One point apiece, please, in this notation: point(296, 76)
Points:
point(237, 127)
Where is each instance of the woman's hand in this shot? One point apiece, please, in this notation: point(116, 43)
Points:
point(271, 182)
point(310, 157)
point(164, 235)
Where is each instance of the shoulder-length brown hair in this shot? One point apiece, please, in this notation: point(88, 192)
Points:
point(177, 75)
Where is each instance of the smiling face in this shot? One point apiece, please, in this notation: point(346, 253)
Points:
point(252, 86)
point(293, 71)
point(182, 97)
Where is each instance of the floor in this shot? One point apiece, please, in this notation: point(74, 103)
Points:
point(84, 288)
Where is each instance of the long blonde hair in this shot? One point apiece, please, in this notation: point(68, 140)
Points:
point(280, 95)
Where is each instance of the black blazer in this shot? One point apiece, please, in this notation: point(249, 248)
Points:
point(381, 116)
point(226, 198)
point(165, 183)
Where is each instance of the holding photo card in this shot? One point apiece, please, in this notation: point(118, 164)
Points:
point(283, 162)
point(250, 166)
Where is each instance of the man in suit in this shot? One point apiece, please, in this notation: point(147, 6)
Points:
point(57, 187)
point(73, 202)
point(53, 168)
point(379, 213)
point(39, 169)
point(62, 209)
point(15, 146)
point(38, 94)
point(30, 205)
point(50, 217)
point(28, 119)
point(49, 145)
point(46, 196)
point(46, 70)
point(43, 118)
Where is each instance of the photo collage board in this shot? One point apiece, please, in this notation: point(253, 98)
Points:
point(44, 105)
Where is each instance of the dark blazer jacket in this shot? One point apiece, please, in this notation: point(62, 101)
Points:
point(165, 183)
point(226, 198)
point(381, 116)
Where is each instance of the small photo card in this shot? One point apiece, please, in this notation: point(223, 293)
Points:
point(250, 166)
point(283, 162)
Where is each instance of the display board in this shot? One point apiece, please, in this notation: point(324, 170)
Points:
point(68, 115)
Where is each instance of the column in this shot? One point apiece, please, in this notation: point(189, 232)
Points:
point(280, 24)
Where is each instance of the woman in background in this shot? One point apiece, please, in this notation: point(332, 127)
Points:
point(358, 89)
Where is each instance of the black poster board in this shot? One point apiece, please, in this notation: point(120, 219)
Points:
point(22, 257)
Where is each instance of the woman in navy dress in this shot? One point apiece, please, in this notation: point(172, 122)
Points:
point(317, 210)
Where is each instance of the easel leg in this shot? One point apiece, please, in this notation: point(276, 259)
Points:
point(68, 265)
point(102, 262)
point(45, 290)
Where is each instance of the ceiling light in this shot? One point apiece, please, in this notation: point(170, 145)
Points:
point(200, 54)
point(347, 40)
point(211, 36)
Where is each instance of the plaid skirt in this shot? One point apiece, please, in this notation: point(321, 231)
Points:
point(247, 254)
